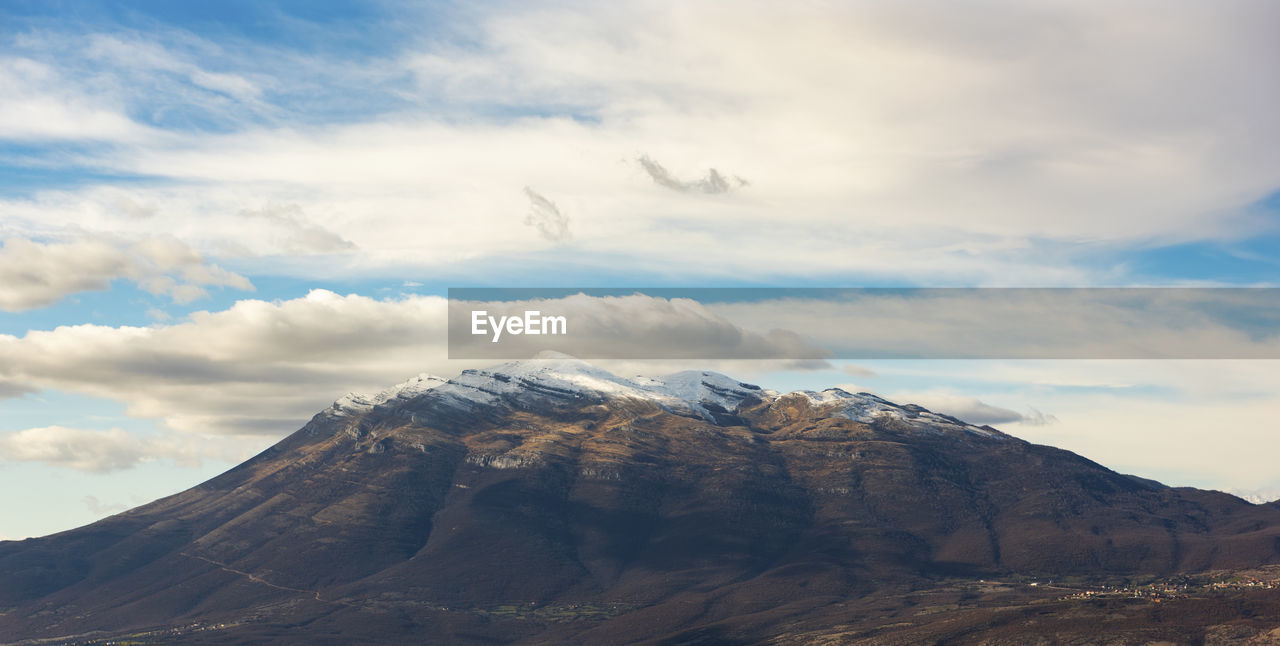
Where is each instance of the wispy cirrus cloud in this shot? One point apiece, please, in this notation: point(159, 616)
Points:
point(295, 233)
point(713, 183)
point(546, 217)
point(41, 104)
point(138, 53)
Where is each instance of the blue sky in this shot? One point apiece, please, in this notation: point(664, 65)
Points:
point(219, 217)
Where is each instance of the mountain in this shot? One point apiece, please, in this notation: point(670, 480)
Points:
point(550, 501)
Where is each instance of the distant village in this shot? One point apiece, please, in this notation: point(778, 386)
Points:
point(1180, 588)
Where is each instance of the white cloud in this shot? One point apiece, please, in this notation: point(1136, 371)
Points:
point(295, 233)
point(546, 217)
point(969, 409)
point(1183, 422)
point(148, 55)
point(37, 274)
point(916, 111)
point(713, 183)
point(1037, 417)
point(100, 451)
point(855, 370)
point(853, 388)
point(257, 367)
point(87, 450)
point(912, 142)
point(266, 367)
point(40, 104)
point(97, 507)
point(880, 140)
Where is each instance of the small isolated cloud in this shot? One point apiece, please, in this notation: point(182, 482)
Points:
point(1035, 417)
point(98, 507)
point(37, 274)
point(713, 183)
point(969, 409)
point(297, 234)
point(546, 217)
point(858, 371)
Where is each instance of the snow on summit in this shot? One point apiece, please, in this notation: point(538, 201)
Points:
point(355, 402)
point(554, 376)
point(561, 376)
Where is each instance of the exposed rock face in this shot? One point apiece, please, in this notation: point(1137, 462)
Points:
point(638, 508)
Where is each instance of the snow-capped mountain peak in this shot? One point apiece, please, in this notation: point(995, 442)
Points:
point(557, 378)
point(867, 408)
point(358, 402)
point(561, 377)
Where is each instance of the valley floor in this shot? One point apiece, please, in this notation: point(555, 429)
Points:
point(1213, 608)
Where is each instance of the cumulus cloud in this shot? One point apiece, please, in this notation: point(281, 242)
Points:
point(265, 367)
point(99, 451)
point(257, 367)
point(713, 183)
point(36, 274)
point(546, 217)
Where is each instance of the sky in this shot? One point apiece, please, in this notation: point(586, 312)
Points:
point(217, 218)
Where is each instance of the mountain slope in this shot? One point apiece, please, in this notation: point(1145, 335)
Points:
point(553, 499)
